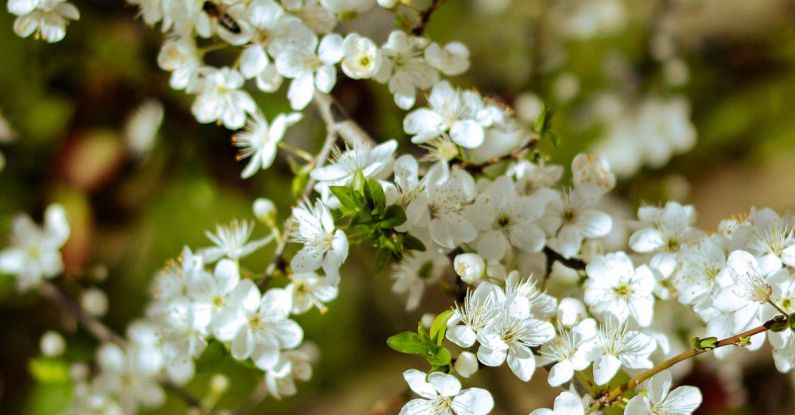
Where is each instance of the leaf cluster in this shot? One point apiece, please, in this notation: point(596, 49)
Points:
point(426, 343)
point(372, 222)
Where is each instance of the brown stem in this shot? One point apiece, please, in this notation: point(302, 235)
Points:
point(424, 18)
point(736, 340)
point(104, 334)
point(514, 155)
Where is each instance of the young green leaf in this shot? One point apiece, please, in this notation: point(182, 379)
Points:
point(407, 342)
point(439, 326)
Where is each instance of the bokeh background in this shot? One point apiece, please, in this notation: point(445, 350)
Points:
point(132, 207)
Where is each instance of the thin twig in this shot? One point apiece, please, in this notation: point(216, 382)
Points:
point(424, 17)
point(736, 340)
point(104, 334)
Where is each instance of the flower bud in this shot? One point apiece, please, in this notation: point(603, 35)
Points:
point(466, 364)
point(94, 302)
point(588, 168)
point(469, 267)
point(265, 211)
point(52, 344)
point(570, 312)
point(219, 384)
point(427, 320)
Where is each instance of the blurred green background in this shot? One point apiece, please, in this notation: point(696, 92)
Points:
point(68, 103)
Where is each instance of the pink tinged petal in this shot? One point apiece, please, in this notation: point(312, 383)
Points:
point(646, 240)
point(417, 382)
point(445, 384)
point(638, 405)
point(560, 373)
point(473, 401)
point(595, 224)
point(467, 133)
point(684, 400)
point(605, 368)
point(659, 385)
point(242, 344)
point(417, 406)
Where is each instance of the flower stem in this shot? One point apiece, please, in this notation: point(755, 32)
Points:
point(608, 397)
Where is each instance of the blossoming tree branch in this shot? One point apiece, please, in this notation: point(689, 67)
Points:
point(468, 205)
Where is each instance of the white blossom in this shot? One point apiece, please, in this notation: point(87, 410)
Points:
point(441, 394)
point(661, 400)
point(46, 18)
point(614, 286)
point(260, 140)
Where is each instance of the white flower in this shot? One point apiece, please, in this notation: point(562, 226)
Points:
point(211, 293)
point(310, 290)
point(47, 18)
point(470, 267)
point(259, 328)
point(35, 252)
point(221, 99)
point(506, 219)
point(292, 365)
point(451, 112)
point(748, 290)
point(52, 344)
point(783, 342)
point(698, 276)
point(574, 210)
point(232, 241)
point(361, 58)
point(347, 7)
point(588, 168)
point(683, 400)
point(441, 208)
point(414, 272)
point(614, 286)
point(442, 395)
point(530, 177)
point(374, 163)
point(566, 403)
point(665, 231)
point(452, 59)
point(570, 312)
point(570, 351)
point(180, 57)
point(617, 347)
point(310, 71)
point(260, 140)
point(323, 244)
point(479, 309)
point(404, 68)
point(314, 15)
point(511, 336)
point(123, 375)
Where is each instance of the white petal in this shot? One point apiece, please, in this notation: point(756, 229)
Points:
point(416, 381)
point(446, 385)
point(605, 368)
point(467, 133)
point(474, 401)
point(638, 405)
point(646, 240)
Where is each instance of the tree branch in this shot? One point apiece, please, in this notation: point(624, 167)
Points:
point(424, 17)
point(104, 334)
point(614, 394)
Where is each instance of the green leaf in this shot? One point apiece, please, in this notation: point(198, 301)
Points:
point(441, 357)
point(347, 197)
point(422, 333)
point(544, 120)
point(358, 181)
point(47, 370)
point(375, 195)
point(394, 215)
point(439, 326)
point(407, 342)
point(410, 242)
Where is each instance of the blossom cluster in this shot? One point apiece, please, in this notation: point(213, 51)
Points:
point(547, 274)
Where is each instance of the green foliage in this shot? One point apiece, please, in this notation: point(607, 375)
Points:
point(49, 370)
point(426, 344)
point(372, 222)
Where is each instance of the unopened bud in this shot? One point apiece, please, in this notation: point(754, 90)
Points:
point(265, 211)
point(95, 302)
point(52, 344)
point(466, 364)
point(469, 267)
